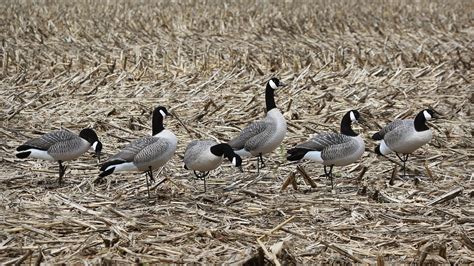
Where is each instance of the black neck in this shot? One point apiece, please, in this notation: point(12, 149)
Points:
point(420, 122)
point(270, 98)
point(346, 126)
point(157, 123)
point(221, 149)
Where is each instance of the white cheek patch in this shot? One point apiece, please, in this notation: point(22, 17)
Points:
point(234, 161)
point(94, 145)
point(272, 84)
point(427, 115)
point(353, 118)
point(162, 113)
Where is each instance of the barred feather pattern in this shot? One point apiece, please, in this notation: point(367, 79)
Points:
point(336, 149)
point(62, 145)
point(146, 152)
point(391, 126)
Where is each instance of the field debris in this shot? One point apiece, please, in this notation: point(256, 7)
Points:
point(107, 64)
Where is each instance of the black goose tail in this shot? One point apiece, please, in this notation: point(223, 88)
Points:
point(23, 155)
point(296, 154)
point(23, 151)
point(377, 136)
point(105, 171)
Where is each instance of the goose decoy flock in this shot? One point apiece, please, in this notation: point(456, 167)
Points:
point(61, 145)
point(145, 154)
point(202, 156)
point(332, 149)
point(257, 139)
point(404, 136)
point(262, 136)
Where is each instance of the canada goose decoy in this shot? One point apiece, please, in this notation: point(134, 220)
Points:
point(60, 145)
point(332, 149)
point(404, 136)
point(262, 136)
point(147, 153)
point(202, 156)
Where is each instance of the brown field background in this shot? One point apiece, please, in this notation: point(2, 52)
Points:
point(107, 64)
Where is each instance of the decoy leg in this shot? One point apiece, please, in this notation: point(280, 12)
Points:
point(262, 161)
point(258, 165)
point(202, 175)
point(149, 173)
point(62, 170)
point(330, 174)
point(152, 178)
point(404, 159)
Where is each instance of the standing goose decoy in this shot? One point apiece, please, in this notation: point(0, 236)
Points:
point(202, 156)
point(332, 149)
point(404, 136)
point(262, 136)
point(61, 145)
point(147, 153)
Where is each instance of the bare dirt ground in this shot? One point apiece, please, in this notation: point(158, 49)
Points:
point(107, 64)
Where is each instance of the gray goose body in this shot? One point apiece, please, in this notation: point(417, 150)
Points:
point(404, 136)
point(198, 156)
point(332, 149)
point(202, 156)
point(262, 136)
point(145, 154)
point(401, 136)
point(60, 145)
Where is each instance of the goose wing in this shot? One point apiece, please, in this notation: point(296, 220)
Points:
point(195, 148)
point(248, 133)
point(141, 150)
point(52, 140)
point(390, 127)
point(322, 141)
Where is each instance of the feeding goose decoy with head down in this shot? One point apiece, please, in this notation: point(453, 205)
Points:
point(202, 156)
point(404, 136)
point(61, 145)
point(147, 153)
point(332, 149)
point(262, 136)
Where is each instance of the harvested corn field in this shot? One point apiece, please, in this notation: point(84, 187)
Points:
point(108, 64)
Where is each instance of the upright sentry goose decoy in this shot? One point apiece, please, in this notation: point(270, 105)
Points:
point(202, 156)
point(61, 145)
point(404, 136)
point(147, 153)
point(332, 149)
point(262, 136)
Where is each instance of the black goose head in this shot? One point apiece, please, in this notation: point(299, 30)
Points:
point(272, 85)
point(90, 135)
point(159, 115)
point(347, 120)
point(422, 117)
point(225, 150)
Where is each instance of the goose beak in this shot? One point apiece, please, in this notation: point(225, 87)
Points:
point(241, 169)
point(281, 85)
